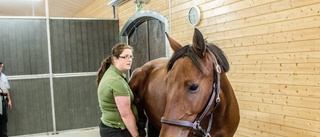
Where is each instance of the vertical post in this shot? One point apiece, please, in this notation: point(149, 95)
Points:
point(50, 68)
point(114, 11)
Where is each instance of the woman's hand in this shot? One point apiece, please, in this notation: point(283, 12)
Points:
point(9, 104)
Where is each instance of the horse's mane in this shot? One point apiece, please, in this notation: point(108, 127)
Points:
point(189, 52)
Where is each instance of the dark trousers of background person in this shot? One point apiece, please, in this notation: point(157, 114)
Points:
point(106, 131)
point(4, 119)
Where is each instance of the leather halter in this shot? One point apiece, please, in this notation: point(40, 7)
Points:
point(214, 95)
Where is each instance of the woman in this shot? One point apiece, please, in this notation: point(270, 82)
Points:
point(5, 101)
point(119, 114)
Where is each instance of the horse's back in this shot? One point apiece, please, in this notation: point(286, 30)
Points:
point(143, 73)
point(141, 76)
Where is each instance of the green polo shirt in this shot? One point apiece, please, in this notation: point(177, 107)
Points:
point(113, 84)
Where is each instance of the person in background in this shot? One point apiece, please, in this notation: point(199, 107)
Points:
point(5, 102)
point(119, 114)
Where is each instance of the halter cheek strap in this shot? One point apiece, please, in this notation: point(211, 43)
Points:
point(215, 94)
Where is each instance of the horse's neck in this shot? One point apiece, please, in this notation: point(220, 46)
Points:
point(225, 86)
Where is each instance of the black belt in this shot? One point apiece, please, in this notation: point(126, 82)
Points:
point(3, 94)
point(103, 125)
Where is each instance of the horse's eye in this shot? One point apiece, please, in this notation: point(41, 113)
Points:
point(193, 88)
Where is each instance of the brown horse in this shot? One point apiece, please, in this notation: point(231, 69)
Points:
point(189, 92)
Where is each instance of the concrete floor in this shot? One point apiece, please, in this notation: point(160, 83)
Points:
point(87, 132)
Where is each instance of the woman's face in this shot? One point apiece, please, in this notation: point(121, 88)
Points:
point(124, 61)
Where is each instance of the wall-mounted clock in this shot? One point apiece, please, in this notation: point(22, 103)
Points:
point(194, 15)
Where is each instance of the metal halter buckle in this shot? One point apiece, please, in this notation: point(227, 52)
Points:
point(218, 68)
point(196, 125)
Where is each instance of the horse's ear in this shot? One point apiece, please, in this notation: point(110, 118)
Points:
point(199, 43)
point(173, 44)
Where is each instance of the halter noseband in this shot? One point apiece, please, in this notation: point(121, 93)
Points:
point(214, 95)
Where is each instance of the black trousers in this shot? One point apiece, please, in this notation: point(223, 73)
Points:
point(106, 131)
point(4, 119)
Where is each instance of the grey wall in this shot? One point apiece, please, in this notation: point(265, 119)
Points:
point(80, 45)
point(77, 48)
point(23, 46)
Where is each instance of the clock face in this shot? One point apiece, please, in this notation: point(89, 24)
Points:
point(194, 16)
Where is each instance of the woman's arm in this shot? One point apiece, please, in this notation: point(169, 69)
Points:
point(9, 100)
point(124, 106)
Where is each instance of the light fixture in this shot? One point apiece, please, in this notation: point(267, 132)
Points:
point(116, 2)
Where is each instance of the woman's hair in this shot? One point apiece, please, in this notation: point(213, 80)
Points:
point(105, 64)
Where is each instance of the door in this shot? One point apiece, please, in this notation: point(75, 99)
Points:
point(148, 41)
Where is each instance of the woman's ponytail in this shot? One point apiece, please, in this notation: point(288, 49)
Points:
point(105, 64)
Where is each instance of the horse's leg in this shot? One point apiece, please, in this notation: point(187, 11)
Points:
point(141, 126)
point(152, 130)
point(141, 123)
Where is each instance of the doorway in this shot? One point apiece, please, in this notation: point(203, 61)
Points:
point(145, 31)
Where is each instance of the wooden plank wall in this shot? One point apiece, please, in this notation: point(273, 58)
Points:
point(274, 52)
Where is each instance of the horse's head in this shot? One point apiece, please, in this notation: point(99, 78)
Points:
point(191, 73)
